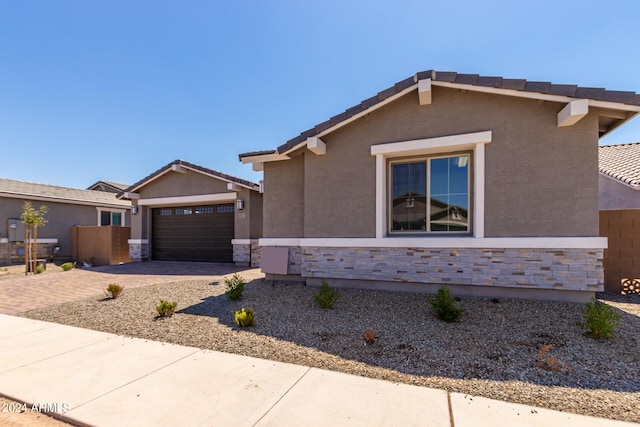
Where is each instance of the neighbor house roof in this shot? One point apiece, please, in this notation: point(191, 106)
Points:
point(44, 192)
point(114, 187)
point(177, 165)
point(629, 102)
point(621, 162)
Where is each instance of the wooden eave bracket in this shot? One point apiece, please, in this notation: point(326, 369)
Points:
point(232, 186)
point(131, 196)
point(424, 91)
point(316, 146)
point(573, 112)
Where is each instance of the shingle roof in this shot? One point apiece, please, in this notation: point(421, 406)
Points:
point(547, 88)
point(28, 190)
point(621, 162)
point(208, 171)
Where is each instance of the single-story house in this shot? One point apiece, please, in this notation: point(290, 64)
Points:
point(186, 212)
point(67, 207)
point(486, 184)
point(619, 201)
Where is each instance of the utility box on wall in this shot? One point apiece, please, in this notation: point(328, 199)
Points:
point(15, 230)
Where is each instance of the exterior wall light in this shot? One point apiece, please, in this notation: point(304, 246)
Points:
point(239, 204)
point(134, 210)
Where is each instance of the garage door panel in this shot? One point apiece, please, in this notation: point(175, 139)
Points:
point(200, 233)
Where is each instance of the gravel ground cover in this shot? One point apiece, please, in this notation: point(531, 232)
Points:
point(493, 351)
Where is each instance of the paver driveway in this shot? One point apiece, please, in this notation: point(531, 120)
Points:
point(21, 294)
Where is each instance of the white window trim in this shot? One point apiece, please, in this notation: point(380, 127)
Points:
point(445, 144)
point(120, 211)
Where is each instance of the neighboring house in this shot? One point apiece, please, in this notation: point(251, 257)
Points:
point(619, 200)
point(185, 212)
point(108, 186)
point(508, 167)
point(67, 207)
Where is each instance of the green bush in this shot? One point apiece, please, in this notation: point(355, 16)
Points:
point(113, 290)
point(67, 266)
point(244, 317)
point(40, 269)
point(599, 319)
point(444, 306)
point(166, 308)
point(235, 286)
point(327, 296)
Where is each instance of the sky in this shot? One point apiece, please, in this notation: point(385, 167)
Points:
point(114, 90)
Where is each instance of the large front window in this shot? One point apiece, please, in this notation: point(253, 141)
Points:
point(443, 182)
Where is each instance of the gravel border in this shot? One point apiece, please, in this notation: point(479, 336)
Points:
point(492, 352)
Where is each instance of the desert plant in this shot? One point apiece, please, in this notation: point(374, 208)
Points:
point(67, 266)
point(113, 290)
point(551, 363)
point(370, 335)
point(166, 308)
point(326, 296)
point(444, 306)
point(244, 317)
point(599, 319)
point(40, 269)
point(235, 286)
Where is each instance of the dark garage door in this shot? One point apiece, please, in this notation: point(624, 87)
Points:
point(193, 233)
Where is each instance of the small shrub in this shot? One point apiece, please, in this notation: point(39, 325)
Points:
point(370, 335)
point(68, 266)
point(599, 319)
point(244, 317)
point(40, 269)
point(444, 306)
point(166, 308)
point(235, 286)
point(326, 296)
point(551, 363)
point(113, 290)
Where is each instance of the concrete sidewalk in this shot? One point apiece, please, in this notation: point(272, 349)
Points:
point(95, 378)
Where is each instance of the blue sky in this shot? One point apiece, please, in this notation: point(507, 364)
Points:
point(114, 90)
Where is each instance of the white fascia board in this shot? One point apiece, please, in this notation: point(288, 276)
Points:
point(573, 112)
point(431, 145)
point(424, 91)
point(265, 158)
point(444, 242)
point(536, 95)
point(316, 146)
point(188, 200)
point(357, 116)
point(279, 242)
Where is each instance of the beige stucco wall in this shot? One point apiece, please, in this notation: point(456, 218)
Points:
point(60, 218)
point(541, 180)
point(248, 221)
point(174, 184)
point(614, 195)
point(283, 201)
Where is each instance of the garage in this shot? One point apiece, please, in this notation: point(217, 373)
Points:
point(193, 233)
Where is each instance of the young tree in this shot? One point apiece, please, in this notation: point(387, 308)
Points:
point(32, 219)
